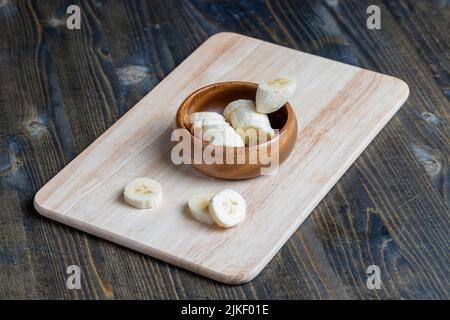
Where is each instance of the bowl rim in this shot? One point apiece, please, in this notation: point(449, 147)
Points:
point(180, 122)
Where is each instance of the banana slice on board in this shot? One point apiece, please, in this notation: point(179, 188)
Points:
point(143, 193)
point(199, 207)
point(227, 208)
point(271, 95)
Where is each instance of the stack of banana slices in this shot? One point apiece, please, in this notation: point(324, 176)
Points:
point(226, 208)
point(244, 122)
point(211, 126)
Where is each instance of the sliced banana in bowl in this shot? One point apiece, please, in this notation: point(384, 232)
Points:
point(201, 120)
point(206, 115)
point(273, 94)
point(227, 111)
point(251, 125)
point(225, 137)
point(216, 130)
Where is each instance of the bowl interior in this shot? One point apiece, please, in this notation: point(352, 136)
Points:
point(217, 96)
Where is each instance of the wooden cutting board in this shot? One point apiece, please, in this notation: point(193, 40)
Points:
point(340, 109)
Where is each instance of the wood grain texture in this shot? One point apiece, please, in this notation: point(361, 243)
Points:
point(341, 108)
point(391, 208)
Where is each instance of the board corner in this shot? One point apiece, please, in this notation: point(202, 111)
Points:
point(39, 203)
point(240, 276)
point(222, 35)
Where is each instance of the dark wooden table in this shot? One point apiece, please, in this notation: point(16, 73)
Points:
point(60, 89)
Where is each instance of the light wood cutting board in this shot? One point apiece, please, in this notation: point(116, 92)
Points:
point(340, 109)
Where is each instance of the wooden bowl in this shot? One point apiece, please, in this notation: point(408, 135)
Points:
point(215, 97)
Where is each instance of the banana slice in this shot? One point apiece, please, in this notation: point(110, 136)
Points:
point(216, 129)
point(211, 126)
point(249, 123)
point(143, 193)
point(199, 207)
point(198, 126)
point(222, 135)
point(271, 95)
point(234, 105)
point(227, 208)
point(228, 139)
point(206, 115)
point(201, 120)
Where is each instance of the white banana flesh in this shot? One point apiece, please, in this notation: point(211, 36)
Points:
point(205, 115)
point(143, 193)
point(227, 208)
point(212, 127)
point(199, 207)
point(199, 126)
point(228, 139)
point(199, 120)
point(222, 135)
point(252, 126)
point(271, 95)
point(234, 105)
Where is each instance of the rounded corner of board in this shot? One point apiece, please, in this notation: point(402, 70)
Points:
point(38, 204)
point(399, 84)
point(403, 86)
point(238, 277)
point(222, 35)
